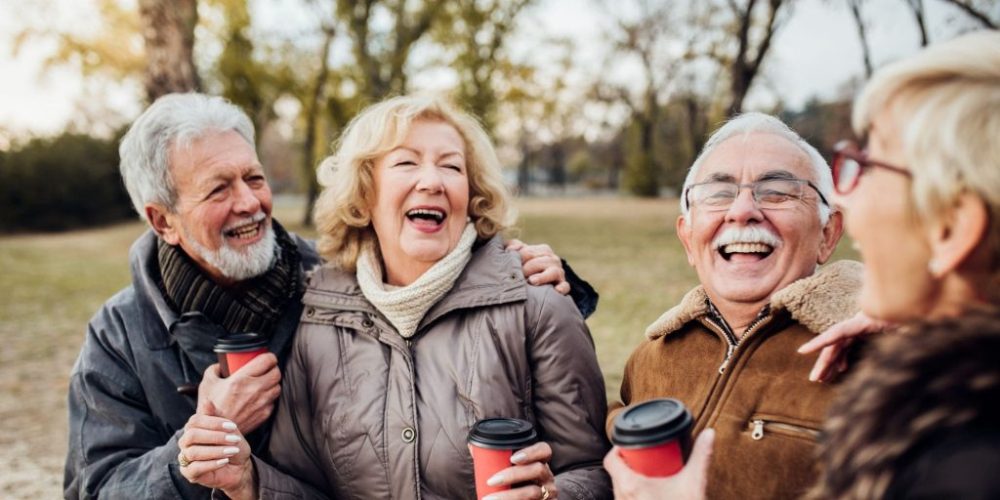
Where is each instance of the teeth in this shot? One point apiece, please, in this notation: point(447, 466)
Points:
point(435, 214)
point(244, 232)
point(746, 248)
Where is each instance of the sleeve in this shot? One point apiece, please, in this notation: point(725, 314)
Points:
point(617, 407)
point(117, 447)
point(568, 394)
point(583, 295)
point(293, 440)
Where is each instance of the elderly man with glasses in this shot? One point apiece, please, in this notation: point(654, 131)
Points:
point(755, 223)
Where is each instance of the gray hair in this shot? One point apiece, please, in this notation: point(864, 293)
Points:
point(174, 120)
point(760, 123)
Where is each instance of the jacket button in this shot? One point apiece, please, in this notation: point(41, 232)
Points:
point(367, 323)
point(310, 312)
point(409, 435)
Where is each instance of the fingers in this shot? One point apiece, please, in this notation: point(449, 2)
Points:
point(196, 469)
point(563, 288)
point(538, 452)
point(701, 457)
point(544, 271)
point(828, 358)
point(859, 324)
point(531, 467)
point(614, 464)
point(515, 245)
point(529, 492)
point(258, 366)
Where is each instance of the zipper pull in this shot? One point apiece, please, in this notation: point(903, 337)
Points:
point(758, 430)
point(725, 362)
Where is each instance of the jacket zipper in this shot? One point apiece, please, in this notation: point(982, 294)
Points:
point(736, 343)
point(761, 426)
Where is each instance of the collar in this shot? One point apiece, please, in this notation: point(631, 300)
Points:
point(493, 276)
point(817, 302)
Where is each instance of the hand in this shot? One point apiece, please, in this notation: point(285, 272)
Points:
point(246, 397)
point(833, 344)
point(531, 466)
point(217, 454)
point(688, 484)
point(541, 265)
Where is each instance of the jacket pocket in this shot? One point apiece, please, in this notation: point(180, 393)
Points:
point(762, 426)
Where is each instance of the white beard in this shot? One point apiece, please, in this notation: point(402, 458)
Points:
point(240, 265)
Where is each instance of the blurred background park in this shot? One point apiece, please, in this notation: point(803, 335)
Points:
point(597, 109)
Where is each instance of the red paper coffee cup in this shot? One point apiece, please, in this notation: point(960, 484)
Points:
point(238, 349)
point(654, 437)
point(492, 442)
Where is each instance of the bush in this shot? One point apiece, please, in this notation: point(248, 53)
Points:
point(61, 183)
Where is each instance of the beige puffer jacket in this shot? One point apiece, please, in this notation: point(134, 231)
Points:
point(365, 413)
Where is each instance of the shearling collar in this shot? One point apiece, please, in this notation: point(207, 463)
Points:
point(816, 302)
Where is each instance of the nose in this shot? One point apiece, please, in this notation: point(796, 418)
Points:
point(429, 179)
point(245, 199)
point(744, 208)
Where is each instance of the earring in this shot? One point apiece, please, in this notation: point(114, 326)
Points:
point(934, 267)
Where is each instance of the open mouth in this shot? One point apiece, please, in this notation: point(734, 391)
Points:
point(246, 231)
point(758, 250)
point(426, 216)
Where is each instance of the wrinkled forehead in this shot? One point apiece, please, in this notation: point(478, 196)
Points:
point(750, 157)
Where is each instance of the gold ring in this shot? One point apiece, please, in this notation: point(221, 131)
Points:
point(182, 460)
point(545, 493)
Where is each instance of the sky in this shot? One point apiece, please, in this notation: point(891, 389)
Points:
point(816, 52)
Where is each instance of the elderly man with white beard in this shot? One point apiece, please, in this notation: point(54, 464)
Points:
point(214, 262)
point(755, 223)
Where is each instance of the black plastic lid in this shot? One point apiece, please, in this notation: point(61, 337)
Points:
point(502, 433)
point(239, 342)
point(651, 422)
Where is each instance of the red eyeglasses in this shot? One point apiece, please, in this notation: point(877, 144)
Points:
point(851, 162)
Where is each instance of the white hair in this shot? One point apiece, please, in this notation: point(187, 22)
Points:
point(174, 120)
point(760, 123)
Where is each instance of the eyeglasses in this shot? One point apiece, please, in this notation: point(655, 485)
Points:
point(770, 194)
point(850, 163)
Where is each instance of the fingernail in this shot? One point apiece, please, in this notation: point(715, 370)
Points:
point(518, 457)
point(222, 461)
point(232, 438)
point(491, 497)
point(229, 426)
point(496, 480)
point(533, 280)
point(230, 451)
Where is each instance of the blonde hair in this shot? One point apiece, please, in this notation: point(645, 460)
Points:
point(945, 102)
point(343, 209)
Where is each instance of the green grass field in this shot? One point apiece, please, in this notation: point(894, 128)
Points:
point(52, 284)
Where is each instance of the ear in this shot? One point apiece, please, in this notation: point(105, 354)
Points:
point(957, 234)
point(163, 222)
point(832, 232)
point(683, 227)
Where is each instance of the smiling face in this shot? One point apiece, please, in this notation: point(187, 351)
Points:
point(744, 254)
point(222, 217)
point(421, 199)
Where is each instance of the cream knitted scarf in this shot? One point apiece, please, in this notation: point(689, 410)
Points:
point(404, 307)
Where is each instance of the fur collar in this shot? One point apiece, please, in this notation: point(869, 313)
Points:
point(816, 302)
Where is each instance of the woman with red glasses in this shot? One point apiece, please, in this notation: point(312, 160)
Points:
point(921, 416)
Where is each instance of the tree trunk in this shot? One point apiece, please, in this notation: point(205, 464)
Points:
point(917, 6)
point(312, 122)
point(855, 6)
point(168, 32)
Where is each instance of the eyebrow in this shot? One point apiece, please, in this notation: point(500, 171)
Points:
point(777, 174)
point(720, 177)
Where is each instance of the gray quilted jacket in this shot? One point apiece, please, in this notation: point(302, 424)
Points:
point(365, 413)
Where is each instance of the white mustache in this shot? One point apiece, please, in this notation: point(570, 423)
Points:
point(749, 234)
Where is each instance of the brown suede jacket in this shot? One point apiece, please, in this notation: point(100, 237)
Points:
point(756, 393)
